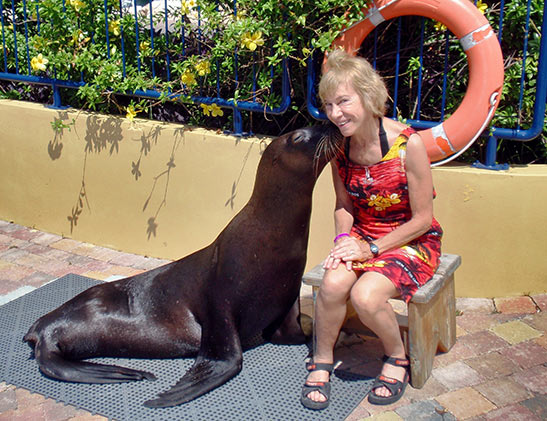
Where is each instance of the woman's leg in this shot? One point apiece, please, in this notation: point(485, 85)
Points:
point(369, 296)
point(330, 312)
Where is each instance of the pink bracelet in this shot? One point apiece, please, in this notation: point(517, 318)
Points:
point(344, 234)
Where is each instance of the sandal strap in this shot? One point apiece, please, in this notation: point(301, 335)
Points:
point(397, 362)
point(393, 385)
point(320, 366)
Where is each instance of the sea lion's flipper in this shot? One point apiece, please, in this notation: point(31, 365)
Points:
point(53, 365)
point(198, 380)
point(219, 359)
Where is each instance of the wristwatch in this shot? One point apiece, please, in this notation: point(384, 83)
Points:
point(374, 249)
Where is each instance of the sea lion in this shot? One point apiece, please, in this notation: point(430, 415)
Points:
point(207, 304)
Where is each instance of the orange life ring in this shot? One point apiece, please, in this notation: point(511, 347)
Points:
point(452, 137)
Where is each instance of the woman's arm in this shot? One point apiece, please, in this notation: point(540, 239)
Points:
point(343, 216)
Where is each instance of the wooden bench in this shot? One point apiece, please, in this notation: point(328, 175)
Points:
point(430, 322)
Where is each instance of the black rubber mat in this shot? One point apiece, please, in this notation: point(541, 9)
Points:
point(268, 387)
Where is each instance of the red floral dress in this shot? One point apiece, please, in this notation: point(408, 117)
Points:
point(379, 193)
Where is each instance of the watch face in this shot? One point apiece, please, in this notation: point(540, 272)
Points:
point(374, 249)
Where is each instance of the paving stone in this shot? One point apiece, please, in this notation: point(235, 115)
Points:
point(431, 389)
point(7, 286)
point(66, 244)
point(27, 414)
point(535, 379)
point(8, 400)
point(526, 354)
point(512, 413)
point(542, 341)
point(377, 409)
point(465, 403)
point(515, 305)
point(13, 272)
point(538, 405)
point(123, 271)
point(55, 411)
point(25, 234)
point(476, 322)
point(10, 227)
point(492, 365)
point(88, 417)
point(46, 238)
point(429, 410)
point(359, 413)
point(459, 351)
point(537, 321)
point(541, 301)
point(13, 254)
point(456, 375)
point(475, 305)
point(483, 342)
point(5, 239)
point(515, 332)
point(385, 416)
point(26, 399)
point(132, 260)
point(503, 392)
point(37, 279)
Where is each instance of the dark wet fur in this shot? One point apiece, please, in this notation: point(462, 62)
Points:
point(205, 305)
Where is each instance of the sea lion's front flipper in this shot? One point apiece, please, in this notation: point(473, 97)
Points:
point(202, 377)
point(219, 360)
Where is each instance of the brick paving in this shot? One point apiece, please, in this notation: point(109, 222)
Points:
point(496, 371)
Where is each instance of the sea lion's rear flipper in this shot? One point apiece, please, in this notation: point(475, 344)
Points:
point(53, 365)
point(218, 360)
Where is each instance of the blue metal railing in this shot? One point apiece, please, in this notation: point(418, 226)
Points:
point(15, 65)
point(11, 20)
point(493, 133)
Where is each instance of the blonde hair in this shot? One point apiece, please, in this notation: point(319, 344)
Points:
point(342, 67)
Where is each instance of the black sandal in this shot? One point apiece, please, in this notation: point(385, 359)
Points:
point(321, 387)
point(396, 387)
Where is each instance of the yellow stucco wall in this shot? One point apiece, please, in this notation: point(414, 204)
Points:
point(166, 190)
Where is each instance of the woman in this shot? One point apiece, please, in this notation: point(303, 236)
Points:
point(387, 242)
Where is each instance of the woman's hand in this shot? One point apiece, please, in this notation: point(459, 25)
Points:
point(347, 250)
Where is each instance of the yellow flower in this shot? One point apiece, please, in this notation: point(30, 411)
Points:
point(203, 67)
point(188, 78)
point(131, 113)
point(206, 109)
point(440, 27)
point(186, 5)
point(39, 62)
point(212, 110)
point(77, 4)
point(114, 27)
point(216, 111)
point(252, 41)
point(482, 6)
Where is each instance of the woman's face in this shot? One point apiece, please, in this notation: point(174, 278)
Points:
point(345, 109)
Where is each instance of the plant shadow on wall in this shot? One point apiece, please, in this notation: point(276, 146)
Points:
point(101, 134)
point(55, 146)
point(164, 176)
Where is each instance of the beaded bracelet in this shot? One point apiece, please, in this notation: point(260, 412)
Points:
point(344, 234)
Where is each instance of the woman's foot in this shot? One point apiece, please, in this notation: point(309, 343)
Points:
point(390, 385)
point(316, 390)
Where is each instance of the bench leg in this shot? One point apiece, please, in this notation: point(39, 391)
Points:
point(431, 326)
